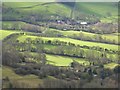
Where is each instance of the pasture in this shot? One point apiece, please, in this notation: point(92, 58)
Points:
point(111, 65)
point(77, 42)
point(5, 33)
point(63, 60)
point(108, 37)
point(30, 80)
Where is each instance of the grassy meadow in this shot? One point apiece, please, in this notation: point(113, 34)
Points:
point(77, 42)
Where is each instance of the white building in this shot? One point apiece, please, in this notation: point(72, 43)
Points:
point(83, 23)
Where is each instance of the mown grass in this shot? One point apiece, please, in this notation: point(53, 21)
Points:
point(77, 42)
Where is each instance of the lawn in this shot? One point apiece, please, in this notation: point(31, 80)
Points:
point(77, 42)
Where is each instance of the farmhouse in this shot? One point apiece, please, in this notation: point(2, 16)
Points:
point(83, 23)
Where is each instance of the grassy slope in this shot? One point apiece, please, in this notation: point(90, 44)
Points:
point(63, 60)
point(100, 9)
point(66, 61)
point(60, 60)
point(31, 80)
point(5, 33)
point(11, 23)
point(114, 57)
point(77, 42)
point(110, 37)
point(111, 65)
point(36, 8)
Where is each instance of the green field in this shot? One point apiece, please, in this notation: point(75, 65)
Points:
point(10, 24)
point(111, 19)
point(109, 37)
point(31, 80)
point(63, 9)
point(114, 57)
point(111, 65)
point(77, 42)
point(36, 7)
point(57, 60)
point(63, 60)
point(5, 33)
point(100, 8)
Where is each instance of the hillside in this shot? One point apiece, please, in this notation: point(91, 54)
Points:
point(60, 45)
point(64, 9)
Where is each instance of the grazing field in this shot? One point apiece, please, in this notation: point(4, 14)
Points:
point(13, 24)
point(63, 9)
point(21, 4)
point(111, 19)
point(63, 60)
point(109, 37)
point(5, 33)
point(77, 42)
point(114, 57)
point(111, 65)
point(99, 9)
point(30, 80)
point(52, 8)
point(57, 60)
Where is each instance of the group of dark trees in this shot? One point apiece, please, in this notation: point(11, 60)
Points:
point(105, 28)
point(50, 33)
point(69, 76)
point(17, 55)
point(95, 38)
point(65, 49)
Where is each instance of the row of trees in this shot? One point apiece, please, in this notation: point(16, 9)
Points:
point(69, 75)
point(95, 38)
point(49, 33)
point(65, 49)
point(62, 43)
